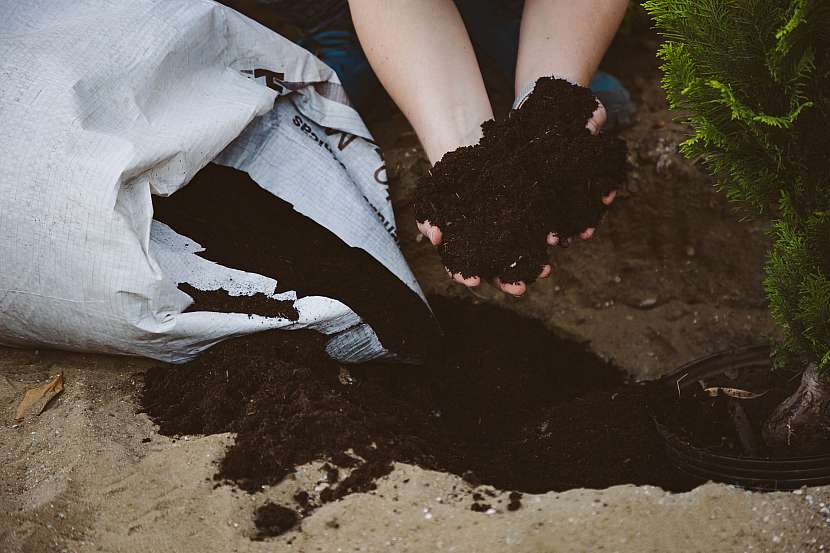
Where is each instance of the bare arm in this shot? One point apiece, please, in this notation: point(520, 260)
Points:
point(565, 38)
point(422, 55)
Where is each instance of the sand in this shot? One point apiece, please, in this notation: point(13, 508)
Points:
point(79, 478)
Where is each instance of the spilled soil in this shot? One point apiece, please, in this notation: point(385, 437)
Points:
point(257, 304)
point(509, 405)
point(538, 171)
point(245, 227)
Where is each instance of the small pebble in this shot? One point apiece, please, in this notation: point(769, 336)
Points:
point(646, 303)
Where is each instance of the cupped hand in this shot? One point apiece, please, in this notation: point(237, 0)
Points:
point(433, 233)
point(594, 124)
point(512, 288)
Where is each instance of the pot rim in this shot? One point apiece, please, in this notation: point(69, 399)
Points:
point(740, 358)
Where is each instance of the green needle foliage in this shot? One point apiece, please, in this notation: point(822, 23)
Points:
point(754, 78)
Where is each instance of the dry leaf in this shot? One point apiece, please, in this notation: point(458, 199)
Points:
point(36, 399)
point(736, 393)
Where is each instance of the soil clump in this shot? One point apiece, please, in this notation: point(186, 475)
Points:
point(538, 171)
point(273, 520)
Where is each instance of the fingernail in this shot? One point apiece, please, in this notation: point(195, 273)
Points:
point(592, 127)
point(518, 291)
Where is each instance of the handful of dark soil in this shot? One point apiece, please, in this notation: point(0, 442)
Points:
point(536, 172)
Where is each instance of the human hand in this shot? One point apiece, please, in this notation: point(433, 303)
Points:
point(594, 124)
point(435, 236)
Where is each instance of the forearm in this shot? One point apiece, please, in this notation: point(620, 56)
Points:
point(422, 55)
point(565, 38)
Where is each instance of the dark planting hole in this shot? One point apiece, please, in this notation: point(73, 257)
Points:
point(510, 405)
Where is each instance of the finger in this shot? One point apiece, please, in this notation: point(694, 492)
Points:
point(607, 200)
point(587, 233)
point(435, 236)
point(545, 273)
point(512, 288)
point(433, 233)
point(552, 239)
point(598, 119)
point(469, 282)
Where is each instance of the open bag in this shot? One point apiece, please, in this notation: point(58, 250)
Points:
point(104, 104)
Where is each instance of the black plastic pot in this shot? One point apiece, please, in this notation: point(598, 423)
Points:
point(747, 472)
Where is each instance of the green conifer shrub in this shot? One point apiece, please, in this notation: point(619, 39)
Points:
point(753, 77)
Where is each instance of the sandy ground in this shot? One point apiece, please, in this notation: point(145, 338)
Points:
point(91, 474)
point(671, 275)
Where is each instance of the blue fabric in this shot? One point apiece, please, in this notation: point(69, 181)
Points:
point(494, 31)
point(615, 98)
point(341, 51)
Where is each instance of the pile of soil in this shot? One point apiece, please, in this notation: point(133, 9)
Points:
point(537, 171)
point(509, 405)
point(245, 227)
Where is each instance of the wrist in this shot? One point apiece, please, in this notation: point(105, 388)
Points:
point(462, 128)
